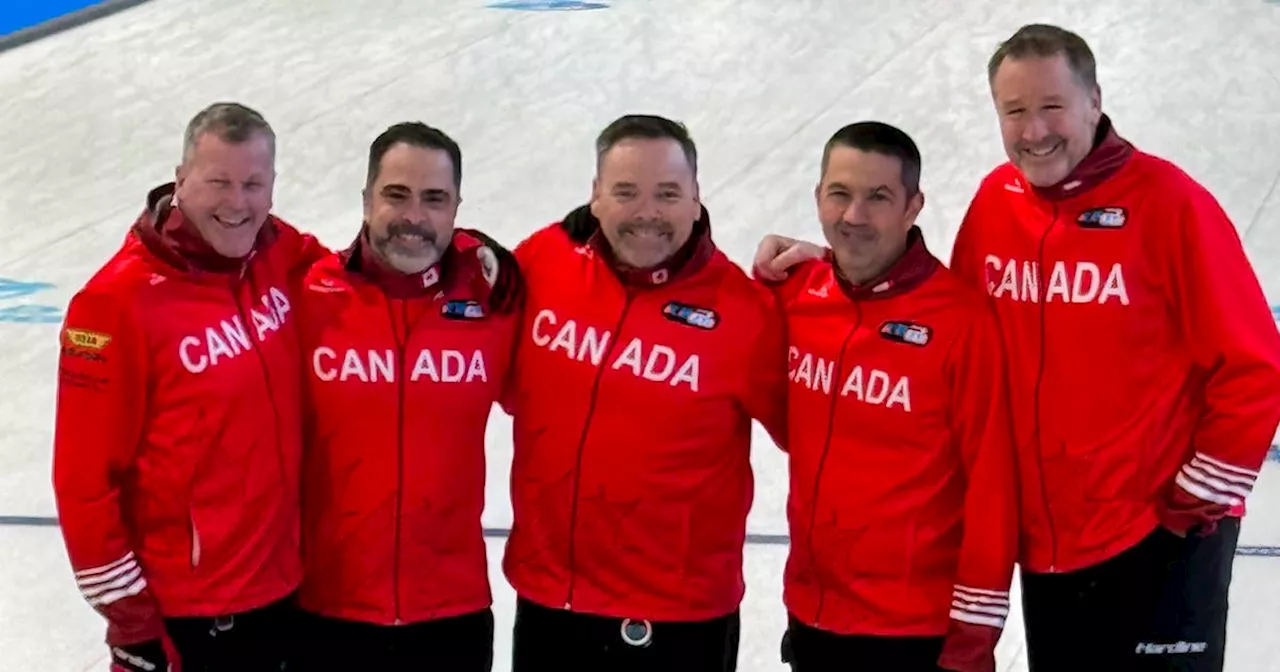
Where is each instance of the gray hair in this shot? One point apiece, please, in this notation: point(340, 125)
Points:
point(229, 122)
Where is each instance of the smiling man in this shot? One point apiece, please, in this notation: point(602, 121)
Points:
point(407, 336)
point(177, 437)
point(903, 500)
point(644, 357)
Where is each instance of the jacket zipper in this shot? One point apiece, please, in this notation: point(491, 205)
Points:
point(234, 287)
point(582, 444)
point(1042, 295)
point(262, 361)
point(401, 347)
point(822, 459)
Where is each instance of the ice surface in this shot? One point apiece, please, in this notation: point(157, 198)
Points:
point(93, 117)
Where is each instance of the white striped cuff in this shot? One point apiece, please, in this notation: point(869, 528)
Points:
point(115, 581)
point(1216, 481)
point(979, 606)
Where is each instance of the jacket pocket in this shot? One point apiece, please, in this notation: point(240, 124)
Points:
point(1108, 475)
point(852, 552)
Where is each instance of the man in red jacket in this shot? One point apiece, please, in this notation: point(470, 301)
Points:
point(903, 499)
point(1145, 370)
point(644, 356)
point(177, 435)
point(407, 335)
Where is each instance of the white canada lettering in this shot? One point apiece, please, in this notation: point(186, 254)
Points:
point(813, 372)
point(658, 363)
point(1078, 282)
point(229, 338)
point(379, 366)
point(870, 386)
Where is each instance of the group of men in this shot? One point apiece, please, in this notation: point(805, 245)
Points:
point(270, 455)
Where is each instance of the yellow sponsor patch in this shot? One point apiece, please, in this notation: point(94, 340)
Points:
point(83, 338)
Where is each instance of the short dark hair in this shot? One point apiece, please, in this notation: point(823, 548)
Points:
point(230, 122)
point(1040, 40)
point(880, 138)
point(646, 126)
point(416, 134)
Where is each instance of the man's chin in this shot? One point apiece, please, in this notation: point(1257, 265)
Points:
point(236, 247)
point(410, 264)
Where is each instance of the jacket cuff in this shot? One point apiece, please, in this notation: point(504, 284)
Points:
point(1212, 480)
point(979, 606)
point(969, 648)
point(1204, 490)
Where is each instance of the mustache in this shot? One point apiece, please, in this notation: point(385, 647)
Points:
point(660, 227)
point(859, 231)
point(409, 228)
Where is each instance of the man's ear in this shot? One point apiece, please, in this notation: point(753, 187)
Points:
point(914, 205)
point(595, 196)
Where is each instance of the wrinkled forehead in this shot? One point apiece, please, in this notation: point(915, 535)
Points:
point(1037, 79)
point(645, 163)
point(409, 168)
point(857, 170)
point(251, 157)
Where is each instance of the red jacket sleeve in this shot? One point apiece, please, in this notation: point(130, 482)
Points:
point(965, 261)
point(524, 258)
point(1226, 323)
point(982, 433)
point(765, 386)
point(101, 406)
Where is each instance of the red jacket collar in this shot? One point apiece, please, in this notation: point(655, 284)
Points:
point(168, 234)
point(689, 259)
point(915, 266)
point(1109, 154)
point(360, 258)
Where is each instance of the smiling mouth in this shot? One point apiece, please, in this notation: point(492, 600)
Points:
point(231, 223)
point(1043, 152)
point(411, 240)
point(648, 232)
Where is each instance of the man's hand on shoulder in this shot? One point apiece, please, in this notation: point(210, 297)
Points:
point(500, 270)
point(777, 255)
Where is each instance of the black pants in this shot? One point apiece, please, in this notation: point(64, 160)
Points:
point(809, 649)
point(554, 639)
point(1159, 606)
point(254, 641)
point(457, 644)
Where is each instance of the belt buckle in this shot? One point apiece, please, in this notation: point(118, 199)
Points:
point(636, 633)
point(222, 624)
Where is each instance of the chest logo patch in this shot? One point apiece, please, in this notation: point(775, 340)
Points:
point(1103, 218)
point(906, 332)
point(702, 318)
point(460, 309)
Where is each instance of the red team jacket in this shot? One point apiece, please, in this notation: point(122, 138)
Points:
point(1145, 362)
point(402, 372)
point(177, 428)
point(633, 400)
point(903, 503)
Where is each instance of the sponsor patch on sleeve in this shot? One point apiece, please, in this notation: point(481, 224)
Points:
point(85, 339)
point(460, 309)
point(906, 332)
point(1102, 218)
point(701, 318)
